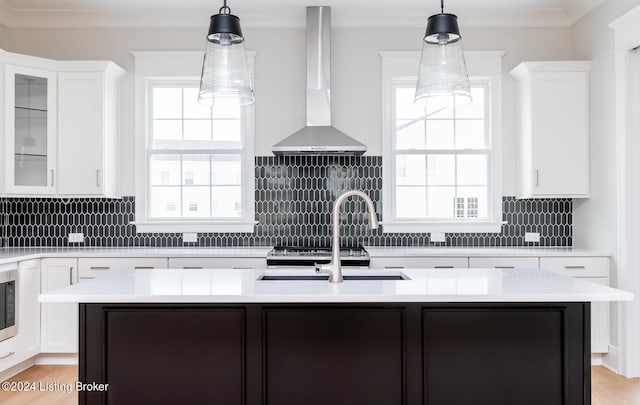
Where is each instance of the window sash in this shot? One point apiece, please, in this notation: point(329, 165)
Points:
point(180, 152)
point(485, 151)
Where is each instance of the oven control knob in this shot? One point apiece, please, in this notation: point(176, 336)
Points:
point(362, 252)
point(351, 253)
point(285, 252)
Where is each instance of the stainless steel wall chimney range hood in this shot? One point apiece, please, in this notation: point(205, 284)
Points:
point(319, 137)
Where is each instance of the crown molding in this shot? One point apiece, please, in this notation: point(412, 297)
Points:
point(291, 17)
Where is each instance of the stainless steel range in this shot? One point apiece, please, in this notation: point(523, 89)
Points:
point(281, 256)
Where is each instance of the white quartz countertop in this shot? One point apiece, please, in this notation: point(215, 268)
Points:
point(243, 286)
point(401, 251)
point(8, 255)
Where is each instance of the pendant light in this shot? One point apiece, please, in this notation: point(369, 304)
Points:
point(225, 70)
point(443, 71)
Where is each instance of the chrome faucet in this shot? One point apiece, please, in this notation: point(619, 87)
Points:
point(333, 268)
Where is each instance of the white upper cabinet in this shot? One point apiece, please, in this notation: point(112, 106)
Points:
point(30, 130)
point(553, 113)
point(88, 131)
point(61, 127)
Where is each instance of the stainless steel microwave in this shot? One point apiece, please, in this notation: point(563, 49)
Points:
point(8, 299)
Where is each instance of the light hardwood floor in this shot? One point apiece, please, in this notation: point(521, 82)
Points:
point(607, 388)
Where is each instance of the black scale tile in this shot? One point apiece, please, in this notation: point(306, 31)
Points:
point(294, 199)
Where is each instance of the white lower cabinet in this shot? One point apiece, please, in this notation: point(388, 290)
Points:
point(419, 262)
point(504, 262)
point(596, 270)
point(217, 263)
point(59, 321)
point(26, 343)
point(29, 308)
point(9, 348)
point(92, 267)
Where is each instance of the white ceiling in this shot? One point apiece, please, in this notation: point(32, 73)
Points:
point(288, 13)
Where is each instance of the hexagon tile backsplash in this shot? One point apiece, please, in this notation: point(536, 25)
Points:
point(294, 197)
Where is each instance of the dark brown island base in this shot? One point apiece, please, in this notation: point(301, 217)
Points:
point(333, 354)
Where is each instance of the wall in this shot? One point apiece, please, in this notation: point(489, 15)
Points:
point(595, 218)
point(280, 74)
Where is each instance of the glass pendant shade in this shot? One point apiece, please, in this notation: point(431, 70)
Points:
point(443, 71)
point(225, 70)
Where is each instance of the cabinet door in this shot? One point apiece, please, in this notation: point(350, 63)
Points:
point(217, 263)
point(594, 269)
point(600, 330)
point(419, 262)
point(560, 144)
point(30, 131)
point(29, 308)
point(334, 355)
point(80, 135)
point(59, 322)
point(504, 262)
point(92, 267)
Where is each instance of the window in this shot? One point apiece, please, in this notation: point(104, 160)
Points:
point(198, 161)
point(442, 161)
point(442, 155)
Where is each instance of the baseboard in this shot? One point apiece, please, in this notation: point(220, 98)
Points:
point(597, 359)
point(611, 360)
point(57, 359)
point(17, 369)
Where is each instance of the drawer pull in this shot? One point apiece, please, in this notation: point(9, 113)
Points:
point(242, 268)
point(99, 267)
point(442, 267)
point(574, 267)
point(394, 267)
point(144, 267)
point(7, 355)
point(504, 267)
point(192, 267)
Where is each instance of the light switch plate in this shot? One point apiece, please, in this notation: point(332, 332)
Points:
point(532, 237)
point(77, 237)
point(189, 237)
point(437, 237)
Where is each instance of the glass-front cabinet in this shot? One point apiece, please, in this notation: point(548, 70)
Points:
point(30, 130)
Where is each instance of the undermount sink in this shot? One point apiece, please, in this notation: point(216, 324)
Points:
point(299, 277)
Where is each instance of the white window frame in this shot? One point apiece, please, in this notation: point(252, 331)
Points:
point(178, 68)
point(483, 66)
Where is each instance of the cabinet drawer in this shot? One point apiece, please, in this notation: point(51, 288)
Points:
point(217, 263)
point(418, 262)
point(577, 266)
point(504, 262)
point(96, 266)
point(9, 353)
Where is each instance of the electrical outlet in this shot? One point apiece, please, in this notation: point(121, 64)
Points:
point(532, 237)
point(77, 237)
point(437, 237)
point(189, 237)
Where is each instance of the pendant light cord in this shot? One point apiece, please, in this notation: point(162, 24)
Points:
point(441, 6)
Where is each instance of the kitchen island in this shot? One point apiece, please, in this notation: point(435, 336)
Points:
point(442, 336)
